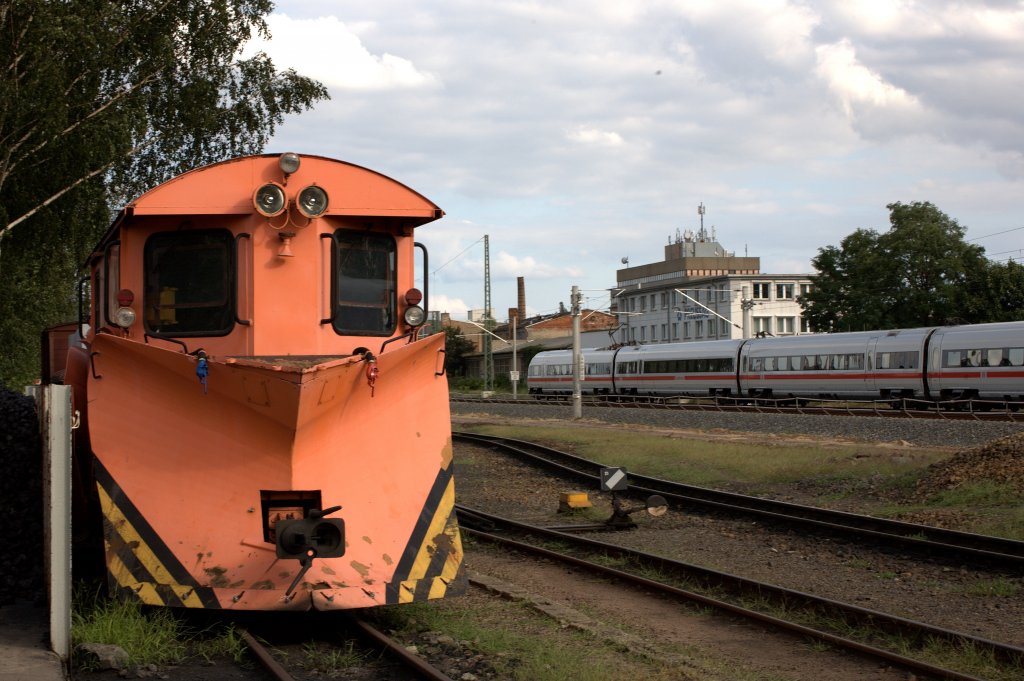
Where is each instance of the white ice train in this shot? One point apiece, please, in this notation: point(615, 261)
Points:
point(936, 364)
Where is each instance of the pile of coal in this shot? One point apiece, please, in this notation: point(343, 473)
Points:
point(1000, 461)
point(21, 500)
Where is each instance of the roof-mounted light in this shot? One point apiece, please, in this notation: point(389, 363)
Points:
point(269, 200)
point(312, 201)
point(288, 163)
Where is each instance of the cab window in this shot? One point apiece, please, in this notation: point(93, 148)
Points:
point(364, 284)
point(189, 284)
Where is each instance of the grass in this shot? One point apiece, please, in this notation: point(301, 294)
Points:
point(986, 507)
point(323, 658)
point(976, 493)
point(148, 636)
point(524, 645)
point(996, 587)
point(711, 462)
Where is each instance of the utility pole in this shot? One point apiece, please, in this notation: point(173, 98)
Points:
point(515, 363)
point(577, 357)
point(746, 304)
point(488, 319)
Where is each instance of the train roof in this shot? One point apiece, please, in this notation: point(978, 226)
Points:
point(227, 187)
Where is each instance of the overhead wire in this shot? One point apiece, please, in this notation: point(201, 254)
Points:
point(1005, 231)
point(457, 255)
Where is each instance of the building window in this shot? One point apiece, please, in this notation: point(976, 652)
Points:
point(784, 325)
point(784, 291)
point(699, 329)
point(805, 325)
point(762, 290)
point(675, 331)
point(643, 334)
point(632, 335)
point(724, 326)
point(723, 294)
point(643, 303)
point(686, 329)
point(654, 336)
point(763, 325)
point(653, 303)
point(664, 332)
point(664, 299)
point(805, 289)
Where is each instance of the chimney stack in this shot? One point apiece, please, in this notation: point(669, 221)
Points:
point(521, 301)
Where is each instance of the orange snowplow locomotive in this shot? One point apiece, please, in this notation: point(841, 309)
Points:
point(265, 426)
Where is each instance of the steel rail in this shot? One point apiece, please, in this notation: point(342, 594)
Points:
point(739, 585)
point(935, 541)
point(396, 649)
point(265, 658)
point(410, 661)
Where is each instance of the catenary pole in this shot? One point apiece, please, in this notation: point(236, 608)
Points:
point(577, 356)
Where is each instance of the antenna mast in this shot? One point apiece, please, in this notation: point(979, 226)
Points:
point(488, 318)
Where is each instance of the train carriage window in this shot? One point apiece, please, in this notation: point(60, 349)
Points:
point(1016, 356)
point(897, 360)
point(190, 283)
point(364, 283)
point(951, 358)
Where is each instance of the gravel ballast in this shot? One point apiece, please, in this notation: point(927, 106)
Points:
point(917, 431)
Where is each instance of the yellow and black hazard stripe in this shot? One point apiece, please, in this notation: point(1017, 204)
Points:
point(139, 564)
point(431, 565)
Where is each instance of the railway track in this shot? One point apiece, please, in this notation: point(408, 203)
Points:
point(792, 611)
point(981, 551)
point(967, 410)
point(415, 666)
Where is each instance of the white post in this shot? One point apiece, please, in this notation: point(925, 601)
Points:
point(54, 403)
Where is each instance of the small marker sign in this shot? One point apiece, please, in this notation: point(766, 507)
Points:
point(613, 479)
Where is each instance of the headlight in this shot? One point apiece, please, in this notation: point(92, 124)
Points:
point(312, 201)
point(269, 200)
point(124, 317)
point(414, 315)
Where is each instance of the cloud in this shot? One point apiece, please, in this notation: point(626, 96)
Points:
point(859, 90)
point(585, 135)
point(327, 49)
point(456, 307)
point(575, 133)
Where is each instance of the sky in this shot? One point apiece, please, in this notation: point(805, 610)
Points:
point(574, 134)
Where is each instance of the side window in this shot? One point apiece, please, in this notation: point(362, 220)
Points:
point(111, 283)
point(363, 284)
point(190, 283)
